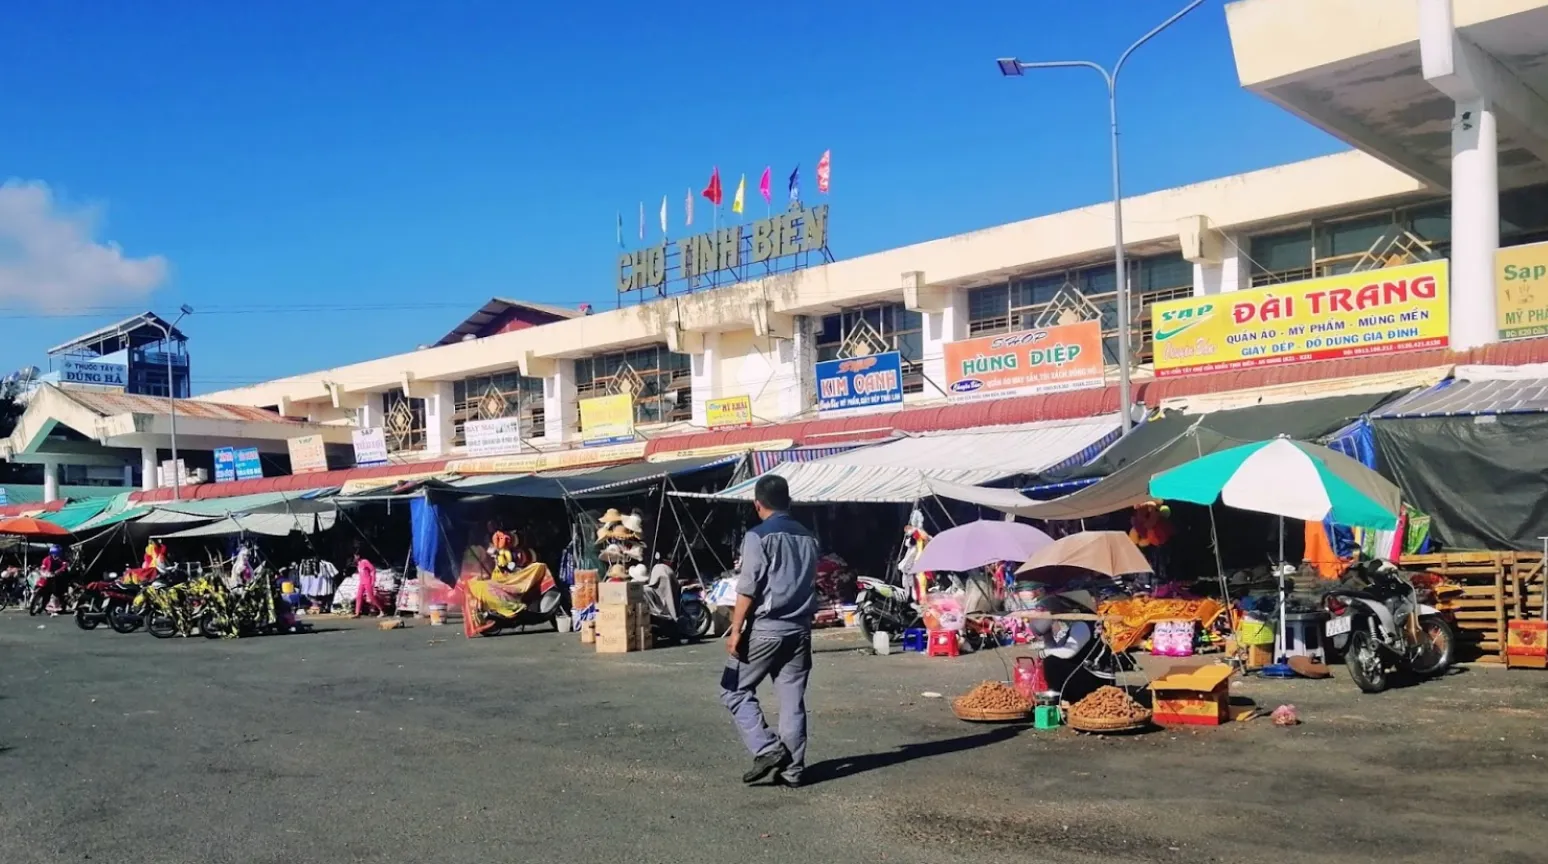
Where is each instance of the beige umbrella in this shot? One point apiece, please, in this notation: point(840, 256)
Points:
point(1110, 553)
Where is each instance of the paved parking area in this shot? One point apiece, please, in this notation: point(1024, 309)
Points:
point(419, 745)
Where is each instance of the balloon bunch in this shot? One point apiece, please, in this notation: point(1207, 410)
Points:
point(1151, 524)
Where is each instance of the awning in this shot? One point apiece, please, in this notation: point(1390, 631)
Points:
point(1477, 391)
point(1378, 384)
point(1127, 487)
point(765, 460)
point(268, 524)
point(73, 515)
point(901, 470)
point(583, 482)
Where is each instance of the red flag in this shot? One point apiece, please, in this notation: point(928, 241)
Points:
point(824, 167)
point(712, 191)
point(763, 187)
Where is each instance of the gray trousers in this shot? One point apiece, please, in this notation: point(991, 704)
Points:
point(788, 659)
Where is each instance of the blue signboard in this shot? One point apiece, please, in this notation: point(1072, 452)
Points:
point(225, 464)
point(860, 382)
point(248, 466)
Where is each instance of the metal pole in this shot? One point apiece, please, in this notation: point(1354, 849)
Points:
point(177, 479)
point(1012, 66)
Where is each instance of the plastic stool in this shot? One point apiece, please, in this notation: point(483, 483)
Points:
point(916, 639)
point(943, 643)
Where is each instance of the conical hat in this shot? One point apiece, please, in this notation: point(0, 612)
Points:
point(612, 516)
point(617, 573)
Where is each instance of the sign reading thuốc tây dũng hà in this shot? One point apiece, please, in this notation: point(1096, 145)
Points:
point(1384, 311)
point(1521, 290)
point(779, 243)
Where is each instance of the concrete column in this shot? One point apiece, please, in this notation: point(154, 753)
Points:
point(561, 410)
point(1475, 224)
point(802, 397)
point(706, 377)
point(1232, 273)
point(439, 428)
point(947, 325)
point(50, 481)
point(128, 475)
point(370, 414)
point(148, 467)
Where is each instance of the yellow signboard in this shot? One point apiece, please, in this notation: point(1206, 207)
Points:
point(533, 463)
point(1354, 315)
point(730, 412)
point(607, 419)
point(1521, 290)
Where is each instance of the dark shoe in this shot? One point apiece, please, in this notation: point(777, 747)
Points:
point(780, 779)
point(767, 764)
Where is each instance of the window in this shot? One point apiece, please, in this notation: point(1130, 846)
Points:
point(504, 394)
point(881, 328)
point(1031, 302)
point(1328, 248)
point(660, 381)
point(403, 422)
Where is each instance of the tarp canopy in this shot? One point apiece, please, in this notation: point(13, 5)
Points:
point(1478, 390)
point(1306, 420)
point(1127, 487)
point(1481, 478)
point(583, 482)
point(900, 471)
point(76, 513)
point(269, 524)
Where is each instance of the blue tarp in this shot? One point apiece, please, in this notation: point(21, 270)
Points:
point(430, 554)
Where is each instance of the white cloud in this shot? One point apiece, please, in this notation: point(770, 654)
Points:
point(50, 260)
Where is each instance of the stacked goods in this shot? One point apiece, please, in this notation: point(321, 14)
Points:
point(621, 545)
point(623, 618)
point(1108, 709)
point(991, 700)
point(585, 591)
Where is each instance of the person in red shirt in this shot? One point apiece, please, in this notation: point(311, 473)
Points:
point(365, 588)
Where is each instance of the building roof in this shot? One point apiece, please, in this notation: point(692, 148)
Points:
point(291, 482)
point(109, 404)
point(1478, 391)
point(144, 321)
point(474, 324)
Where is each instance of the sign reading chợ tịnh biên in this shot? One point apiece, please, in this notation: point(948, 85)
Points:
point(781, 237)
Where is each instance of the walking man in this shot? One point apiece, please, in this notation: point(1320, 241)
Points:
point(771, 635)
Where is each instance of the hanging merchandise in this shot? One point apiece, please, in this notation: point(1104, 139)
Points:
point(621, 546)
point(1151, 524)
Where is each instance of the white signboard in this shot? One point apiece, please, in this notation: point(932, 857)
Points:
point(72, 371)
point(496, 437)
point(170, 470)
point(308, 454)
point(370, 447)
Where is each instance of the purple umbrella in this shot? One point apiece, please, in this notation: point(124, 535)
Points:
point(978, 544)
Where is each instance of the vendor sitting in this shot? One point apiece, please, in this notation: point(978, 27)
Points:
point(1067, 645)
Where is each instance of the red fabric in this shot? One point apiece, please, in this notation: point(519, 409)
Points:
point(824, 168)
point(712, 191)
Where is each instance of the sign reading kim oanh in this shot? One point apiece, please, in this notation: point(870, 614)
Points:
point(784, 238)
point(860, 382)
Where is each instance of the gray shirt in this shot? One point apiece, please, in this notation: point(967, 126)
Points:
point(779, 571)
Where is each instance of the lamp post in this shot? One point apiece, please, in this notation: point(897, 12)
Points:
point(166, 333)
point(1011, 67)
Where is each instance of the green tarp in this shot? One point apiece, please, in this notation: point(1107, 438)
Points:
point(72, 515)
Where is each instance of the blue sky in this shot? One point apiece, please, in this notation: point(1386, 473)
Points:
point(391, 165)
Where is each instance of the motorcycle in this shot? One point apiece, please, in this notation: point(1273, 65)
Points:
point(107, 602)
point(541, 603)
point(1376, 618)
point(43, 591)
point(885, 607)
point(678, 611)
point(15, 589)
point(165, 609)
point(248, 609)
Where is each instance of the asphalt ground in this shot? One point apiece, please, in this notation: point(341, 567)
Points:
point(416, 745)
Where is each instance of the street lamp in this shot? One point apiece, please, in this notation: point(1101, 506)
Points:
point(1010, 67)
point(166, 334)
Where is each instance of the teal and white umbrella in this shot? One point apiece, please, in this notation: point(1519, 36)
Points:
point(1286, 478)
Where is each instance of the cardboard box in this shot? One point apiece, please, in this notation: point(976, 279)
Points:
point(586, 577)
point(620, 593)
point(622, 629)
point(1200, 697)
point(1526, 644)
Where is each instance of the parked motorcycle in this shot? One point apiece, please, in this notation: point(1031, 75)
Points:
point(541, 604)
point(885, 607)
point(1377, 619)
point(15, 589)
point(107, 602)
point(678, 611)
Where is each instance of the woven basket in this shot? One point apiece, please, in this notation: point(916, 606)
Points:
point(1086, 724)
point(976, 715)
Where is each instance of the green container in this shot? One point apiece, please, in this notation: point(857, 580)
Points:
point(1046, 717)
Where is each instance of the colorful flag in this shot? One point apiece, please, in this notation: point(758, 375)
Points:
point(642, 220)
point(795, 185)
point(824, 170)
point(741, 194)
point(663, 214)
point(763, 186)
point(712, 191)
point(620, 229)
point(688, 206)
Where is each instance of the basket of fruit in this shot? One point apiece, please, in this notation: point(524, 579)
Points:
point(991, 702)
point(1108, 709)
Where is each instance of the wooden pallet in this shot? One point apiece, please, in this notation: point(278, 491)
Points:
point(1496, 587)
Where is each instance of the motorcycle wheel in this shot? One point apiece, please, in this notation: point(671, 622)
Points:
point(1440, 647)
point(215, 628)
point(121, 619)
point(39, 603)
point(1365, 663)
point(86, 619)
point(160, 626)
point(701, 620)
